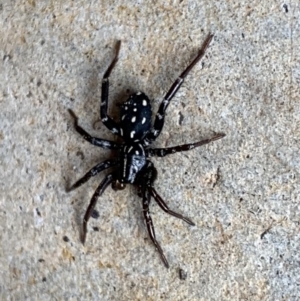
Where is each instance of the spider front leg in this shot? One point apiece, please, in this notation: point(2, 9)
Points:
point(107, 121)
point(100, 189)
point(93, 140)
point(150, 227)
point(94, 171)
point(165, 207)
point(161, 152)
point(160, 116)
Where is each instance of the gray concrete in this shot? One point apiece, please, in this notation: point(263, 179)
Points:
point(242, 191)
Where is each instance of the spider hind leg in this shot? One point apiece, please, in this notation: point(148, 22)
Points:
point(93, 140)
point(108, 121)
point(160, 116)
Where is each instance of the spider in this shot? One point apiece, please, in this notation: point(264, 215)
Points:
point(132, 164)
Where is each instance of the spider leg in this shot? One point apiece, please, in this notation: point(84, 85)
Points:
point(161, 152)
point(93, 140)
point(165, 207)
point(150, 227)
point(100, 189)
point(91, 173)
point(159, 119)
point(107, 121)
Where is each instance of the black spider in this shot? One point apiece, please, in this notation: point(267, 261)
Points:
point(132, 164)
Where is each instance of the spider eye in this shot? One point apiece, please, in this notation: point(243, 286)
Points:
point(116, 185)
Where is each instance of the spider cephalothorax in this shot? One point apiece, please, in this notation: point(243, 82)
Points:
point(132, 164)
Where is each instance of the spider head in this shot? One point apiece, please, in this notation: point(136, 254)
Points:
point(131, 164)
point(117, 185)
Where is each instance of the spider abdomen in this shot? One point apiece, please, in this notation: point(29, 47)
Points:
point(135, 117)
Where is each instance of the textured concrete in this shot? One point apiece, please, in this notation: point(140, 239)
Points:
point(242, 191)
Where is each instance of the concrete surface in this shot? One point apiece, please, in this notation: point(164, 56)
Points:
point(242, 191)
